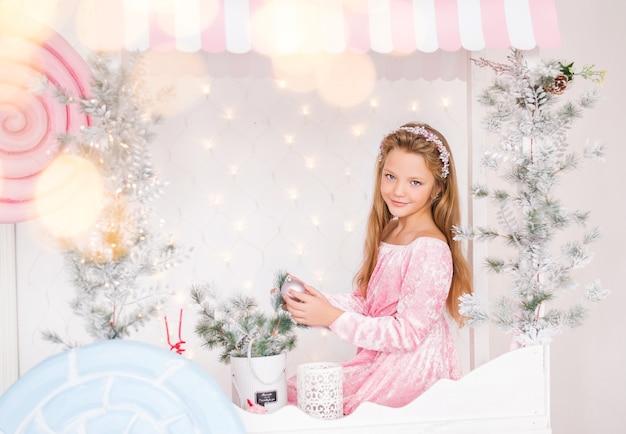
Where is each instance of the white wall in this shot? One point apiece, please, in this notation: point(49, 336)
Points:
point(588, 380)
point(260, 179)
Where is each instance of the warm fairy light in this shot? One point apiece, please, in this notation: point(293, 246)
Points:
point(189, 354)
point(247, 285)
point(289, 139)
point(357, 130)
point(239, 226)
point(233, 170)
point(293, 194)
point(180, 297)
point(299, 250)
point(282, 84)
point(216, 200)
point(323, 333)
point(206, 89)
point(310, 162)
point(414, 106)
point(301, 72)
point(208, 144)
point(373, 103)
point(315, 221)
point(348, 171)
point(445, 102)
point(348, 226)
point(228, 115)
point(227, 257)
point(305, 110)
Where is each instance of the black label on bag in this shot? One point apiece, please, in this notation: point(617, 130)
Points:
point(263, 398)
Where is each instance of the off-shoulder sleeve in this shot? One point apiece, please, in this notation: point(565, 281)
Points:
point(422, 302)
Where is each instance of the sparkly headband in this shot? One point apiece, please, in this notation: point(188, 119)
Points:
point(444, 155)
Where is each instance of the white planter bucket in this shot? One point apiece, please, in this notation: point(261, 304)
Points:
point(261, 380)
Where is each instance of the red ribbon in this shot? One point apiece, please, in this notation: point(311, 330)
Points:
point(178, 345)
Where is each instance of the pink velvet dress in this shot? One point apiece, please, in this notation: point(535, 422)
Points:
point(404, 343)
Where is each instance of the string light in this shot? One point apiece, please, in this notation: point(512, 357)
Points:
point(348, 226)
point(357, 131)
point(180, 297)
point(216, 200)
point(239, 226)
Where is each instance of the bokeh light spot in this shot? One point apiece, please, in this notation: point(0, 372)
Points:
point(350, 80)
point(69, 196)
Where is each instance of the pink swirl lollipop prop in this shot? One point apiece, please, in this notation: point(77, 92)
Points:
point(29, 123)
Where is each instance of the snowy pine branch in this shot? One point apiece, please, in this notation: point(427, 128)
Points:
point(110, 267)
point(527, 110)
point(237, 325)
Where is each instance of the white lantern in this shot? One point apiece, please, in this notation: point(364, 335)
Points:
point(320, 389)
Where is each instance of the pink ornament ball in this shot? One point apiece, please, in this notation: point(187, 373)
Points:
point(290, 284)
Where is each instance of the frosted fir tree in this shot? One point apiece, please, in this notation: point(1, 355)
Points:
point(238, 325)
point(116, 269)
point(526, 110)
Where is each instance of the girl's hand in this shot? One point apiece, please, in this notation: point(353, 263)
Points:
point(311, 308)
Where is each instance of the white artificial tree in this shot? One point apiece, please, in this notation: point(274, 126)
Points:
point(115, 268)
point(527, 110)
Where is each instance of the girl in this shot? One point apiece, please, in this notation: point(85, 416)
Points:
point(412, 272)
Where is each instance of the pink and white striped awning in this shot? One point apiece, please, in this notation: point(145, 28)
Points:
point(333, 26)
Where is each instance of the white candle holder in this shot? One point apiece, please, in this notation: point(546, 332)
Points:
point(320, 389)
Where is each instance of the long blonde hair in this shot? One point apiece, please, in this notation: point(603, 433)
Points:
point(445, 210)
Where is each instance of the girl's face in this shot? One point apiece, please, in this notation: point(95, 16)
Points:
point(407, 184)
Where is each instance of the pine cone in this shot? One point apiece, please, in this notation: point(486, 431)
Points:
point(559, 85)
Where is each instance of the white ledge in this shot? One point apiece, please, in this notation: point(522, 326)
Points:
point(509, 394)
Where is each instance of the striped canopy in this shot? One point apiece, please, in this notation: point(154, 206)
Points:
point(333, 26)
